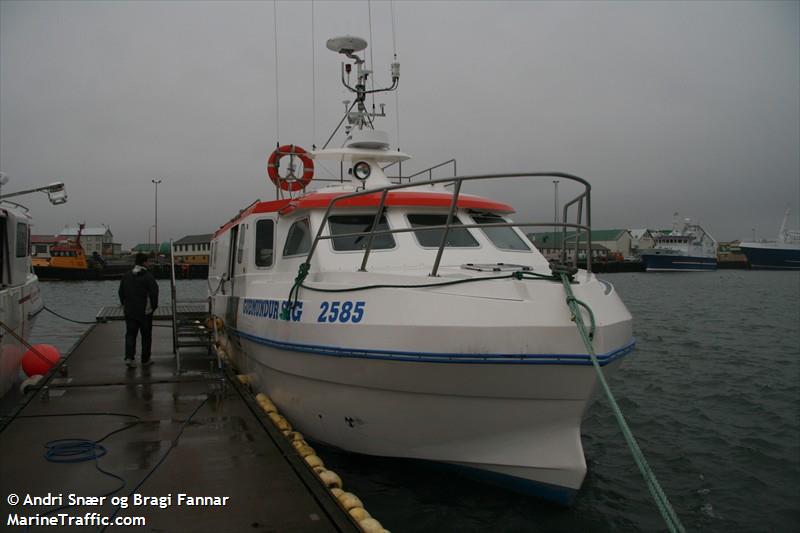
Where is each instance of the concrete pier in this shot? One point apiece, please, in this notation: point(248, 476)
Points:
point(184, 452)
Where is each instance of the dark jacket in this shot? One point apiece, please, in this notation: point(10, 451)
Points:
point(134, 290)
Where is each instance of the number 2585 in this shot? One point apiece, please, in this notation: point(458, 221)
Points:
point(343, 312)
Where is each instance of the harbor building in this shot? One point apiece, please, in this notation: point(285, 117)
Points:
point(549, 244)
point(607, 244)
point(98, 240)
point(40, 245)
point(641, 239)
point(618, 241)
point(193, 249)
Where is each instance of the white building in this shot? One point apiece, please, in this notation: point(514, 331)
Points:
point(99, 239)
point(641, 239)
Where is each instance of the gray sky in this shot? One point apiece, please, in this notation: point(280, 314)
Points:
point(676, 106)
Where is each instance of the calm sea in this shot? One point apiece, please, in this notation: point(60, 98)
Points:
point(712, 393)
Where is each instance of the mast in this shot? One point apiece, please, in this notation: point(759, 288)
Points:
point(782, 232)
point(357, 116)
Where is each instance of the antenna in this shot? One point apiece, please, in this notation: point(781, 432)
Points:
point(349, 45)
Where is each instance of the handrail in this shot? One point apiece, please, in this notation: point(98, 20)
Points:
point(429, 170)
point(457, 181)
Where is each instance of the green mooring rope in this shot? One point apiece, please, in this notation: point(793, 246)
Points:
point(302, 273)
point(294, 292)
point(667, 512)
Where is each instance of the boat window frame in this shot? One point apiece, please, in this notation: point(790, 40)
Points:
point(256, 249)
point(241, 246)
point(233, 234)
point(21, 243)
point(299, 253)
point(384, 215)
point(514, 230)
point(415, 239)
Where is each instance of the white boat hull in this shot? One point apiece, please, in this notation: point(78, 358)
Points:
point(400, 411)
point(19, 306)
point(501, 392)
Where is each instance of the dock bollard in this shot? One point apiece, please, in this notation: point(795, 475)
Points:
point(347, 500)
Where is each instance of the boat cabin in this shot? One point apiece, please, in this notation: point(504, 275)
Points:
point(15, 255)
point(277, 236)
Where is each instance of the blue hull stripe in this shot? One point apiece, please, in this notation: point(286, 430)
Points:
point(553, 493)
point(429, 357)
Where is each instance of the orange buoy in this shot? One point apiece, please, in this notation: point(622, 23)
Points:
point(41, 360)
point(285, 182)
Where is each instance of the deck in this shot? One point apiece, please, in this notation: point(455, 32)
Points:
point(197, 433)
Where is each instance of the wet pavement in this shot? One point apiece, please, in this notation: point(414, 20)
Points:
point(169, 439)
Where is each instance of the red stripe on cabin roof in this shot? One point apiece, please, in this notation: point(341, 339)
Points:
point(394, 199)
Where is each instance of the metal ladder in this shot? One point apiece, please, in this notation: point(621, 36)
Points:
point(188, 325)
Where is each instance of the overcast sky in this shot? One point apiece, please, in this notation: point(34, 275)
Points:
point(677, 106)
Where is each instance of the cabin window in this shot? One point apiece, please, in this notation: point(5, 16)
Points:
point(504, 238)
point(344, 224)
point(432, 238)
point(298, 241)
point(265, 244)
point(22, 239)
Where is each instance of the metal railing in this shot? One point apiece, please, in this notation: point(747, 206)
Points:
point(429, 170)
point(577, 226)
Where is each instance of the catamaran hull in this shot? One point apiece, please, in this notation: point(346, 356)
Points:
point(517, 425)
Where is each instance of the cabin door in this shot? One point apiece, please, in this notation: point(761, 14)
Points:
point(232, 301)
point(232, 255)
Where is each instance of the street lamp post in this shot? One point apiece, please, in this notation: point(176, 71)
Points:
point(156, 182)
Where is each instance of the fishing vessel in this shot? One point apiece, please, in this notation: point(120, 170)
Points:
point(686, 247)
point(20, 298)
point(410, 319)
point(68, 261)
point(782, 254)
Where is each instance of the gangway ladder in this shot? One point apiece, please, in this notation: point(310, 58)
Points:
point(188, 325)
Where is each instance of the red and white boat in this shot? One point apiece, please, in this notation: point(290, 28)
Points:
point(410, 319)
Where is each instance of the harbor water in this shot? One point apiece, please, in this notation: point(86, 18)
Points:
point(712, 393)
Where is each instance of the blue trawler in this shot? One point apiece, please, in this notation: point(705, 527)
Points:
point(687, 248)
point(783, 253)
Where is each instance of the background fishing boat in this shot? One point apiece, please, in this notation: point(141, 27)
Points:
point(687, 247)
point(783, 253)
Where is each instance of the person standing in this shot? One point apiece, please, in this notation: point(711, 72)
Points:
point(138, 294)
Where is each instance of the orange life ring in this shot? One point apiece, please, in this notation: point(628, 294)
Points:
point(285, 183)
